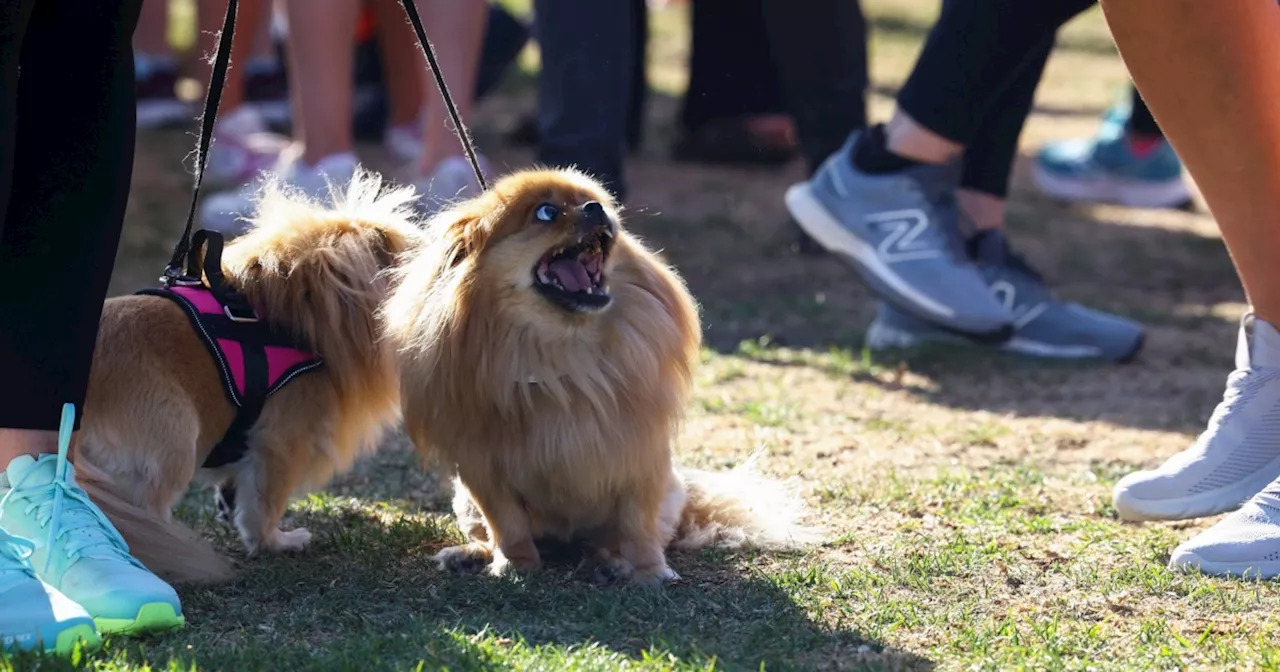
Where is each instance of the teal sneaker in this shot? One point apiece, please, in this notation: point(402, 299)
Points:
point(36, 617)
point(77, 550)
point(1045, 327)
point(1108, 168)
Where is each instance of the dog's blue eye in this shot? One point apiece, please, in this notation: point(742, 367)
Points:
point(546, 212)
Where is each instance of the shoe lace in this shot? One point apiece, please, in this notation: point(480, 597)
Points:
point(14, 552)
point(65, 509)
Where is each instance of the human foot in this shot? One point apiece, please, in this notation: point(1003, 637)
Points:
point(1234, 458)
point(35, 615)
point(76, 549)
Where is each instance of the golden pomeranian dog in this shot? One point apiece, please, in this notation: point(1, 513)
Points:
point(547, 356)
point(157, 404)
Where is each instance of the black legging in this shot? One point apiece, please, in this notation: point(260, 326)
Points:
point(974, 82)
point(731, 69)
point(66, 159)
point(1140, 119)
point(976, 77)
point(819, 48)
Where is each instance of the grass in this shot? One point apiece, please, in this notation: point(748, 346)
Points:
point(967, 494)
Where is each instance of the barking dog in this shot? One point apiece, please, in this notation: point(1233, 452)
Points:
point(547, 355)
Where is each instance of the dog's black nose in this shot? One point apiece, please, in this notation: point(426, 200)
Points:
point(594, 218)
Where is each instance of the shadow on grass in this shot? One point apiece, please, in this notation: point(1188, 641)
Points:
point(367, 596)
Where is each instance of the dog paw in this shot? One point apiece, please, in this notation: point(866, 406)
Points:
point(611, 571)
point(293, 541)
point(224, 497)
point(655, 577)
point(503, 565)
point(466, 559)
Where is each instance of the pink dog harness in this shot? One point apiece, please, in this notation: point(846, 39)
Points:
point(254, 360)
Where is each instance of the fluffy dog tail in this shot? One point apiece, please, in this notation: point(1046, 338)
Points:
point(740, 508)
point(170, 549)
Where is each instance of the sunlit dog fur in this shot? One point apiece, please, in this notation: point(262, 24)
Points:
point(558, 409)
point(156, 405)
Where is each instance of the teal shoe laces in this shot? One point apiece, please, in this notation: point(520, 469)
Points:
point(66, 509)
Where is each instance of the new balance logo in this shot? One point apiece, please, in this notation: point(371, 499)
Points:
point(905, 238)
point(1007, 295)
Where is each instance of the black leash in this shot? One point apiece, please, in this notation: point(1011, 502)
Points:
point(411, 8)
point(213, 97)
point(174, 271)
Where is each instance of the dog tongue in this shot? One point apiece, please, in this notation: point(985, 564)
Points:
point(571, 274)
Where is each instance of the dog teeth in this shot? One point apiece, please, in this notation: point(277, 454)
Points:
point(542, 277)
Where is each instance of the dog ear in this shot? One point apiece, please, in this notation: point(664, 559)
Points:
point(465, 234)
point(385, 249)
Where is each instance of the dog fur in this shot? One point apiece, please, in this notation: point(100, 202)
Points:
point(559, 423)
point(156, 405)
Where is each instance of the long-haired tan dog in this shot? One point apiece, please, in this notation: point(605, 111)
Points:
point(156, 405)
point(548, 355)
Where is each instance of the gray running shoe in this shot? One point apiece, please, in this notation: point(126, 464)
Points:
point(1045, 327)
point(900, 232)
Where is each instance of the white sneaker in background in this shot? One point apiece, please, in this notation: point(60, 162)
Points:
point(404, 142)
point(452, 180)
point(242, 147)
point(224, 212)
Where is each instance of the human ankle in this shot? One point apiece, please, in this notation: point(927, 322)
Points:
point(907, 138)
point(981, 211)
point(1262, 347)
point(15, 443)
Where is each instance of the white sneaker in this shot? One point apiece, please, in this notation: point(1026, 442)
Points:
point(1244, 544)
point(404, 142)
point(225, 211)
point(452, 180)
point(1237, 455)
point(242, 147)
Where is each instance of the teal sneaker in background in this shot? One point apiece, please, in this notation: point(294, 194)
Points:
point(77, 550)
point(33, 615)
point(1044, 326)
point(1108, 169)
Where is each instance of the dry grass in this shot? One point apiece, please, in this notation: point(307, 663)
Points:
point(968, 493)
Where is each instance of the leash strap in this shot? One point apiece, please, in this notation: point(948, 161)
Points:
point(411, 8)
point(212, 98)
point(222, 61)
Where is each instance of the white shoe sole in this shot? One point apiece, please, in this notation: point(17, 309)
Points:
point(811, 216)
point(1189, 561)
point(881, 336)
point(1212, 503)
point(1130, 193)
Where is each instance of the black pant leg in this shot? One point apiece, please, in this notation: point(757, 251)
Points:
point(73, 163)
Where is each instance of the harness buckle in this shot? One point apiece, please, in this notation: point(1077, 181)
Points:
point(226, 310)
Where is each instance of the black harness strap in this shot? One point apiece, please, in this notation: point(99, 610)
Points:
point(238, 323)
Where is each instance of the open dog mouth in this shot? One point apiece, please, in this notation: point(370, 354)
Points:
point(572, 277)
